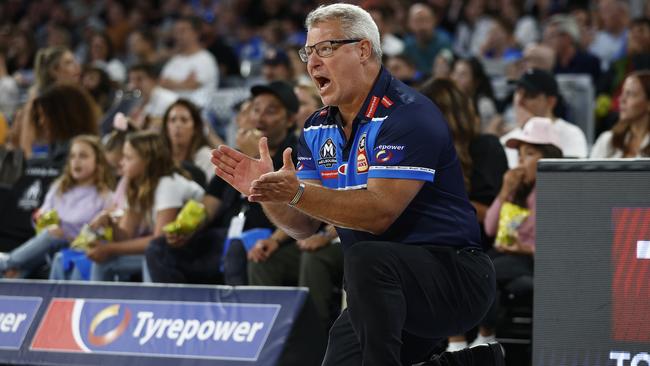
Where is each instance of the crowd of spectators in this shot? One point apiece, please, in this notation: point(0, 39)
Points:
point(145, 78)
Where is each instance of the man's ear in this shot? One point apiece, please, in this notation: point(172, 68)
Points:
point(552, 101)
point(366, 50)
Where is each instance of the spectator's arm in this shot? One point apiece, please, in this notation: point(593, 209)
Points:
point(491, 223)
point(212, 205)
point(129, 225)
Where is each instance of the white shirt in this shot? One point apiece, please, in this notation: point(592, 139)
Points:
point(114, 68)
point(204, 66)
point(572, 140)
point(159, 101)
point(603, 148)
point(607, 47)
point(391, 45)
point(202, 161)
point(173, 192)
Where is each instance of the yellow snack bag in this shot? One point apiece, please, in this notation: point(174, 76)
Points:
point(188, 219)
point(88, 237)
point(510, 218)
point(46, 220)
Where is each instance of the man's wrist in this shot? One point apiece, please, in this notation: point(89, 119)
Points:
point(298, 195)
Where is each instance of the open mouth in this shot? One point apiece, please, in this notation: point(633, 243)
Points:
point(322, 82)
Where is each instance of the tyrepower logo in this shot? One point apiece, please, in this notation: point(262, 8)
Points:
point(225, 331)
point(16, 317)
point(631, 265)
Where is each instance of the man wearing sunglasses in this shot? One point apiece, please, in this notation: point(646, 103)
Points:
point(414, 271)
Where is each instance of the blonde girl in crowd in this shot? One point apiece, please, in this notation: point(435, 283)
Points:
point(78, 195)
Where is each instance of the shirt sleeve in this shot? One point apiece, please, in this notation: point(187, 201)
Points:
point(48, 202)
point(306, 168)
point(173, 192)
point(410, 144)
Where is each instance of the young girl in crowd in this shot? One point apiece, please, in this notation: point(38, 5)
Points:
point(536, 141)
point(82, 191)
point(156, 191)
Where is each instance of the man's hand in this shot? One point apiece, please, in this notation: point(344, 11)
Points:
point(262, 250)
point(100, 253)
point(313, 243)
point(240, 170)
point(277, 187)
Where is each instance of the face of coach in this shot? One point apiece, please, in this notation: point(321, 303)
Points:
point(342, 60)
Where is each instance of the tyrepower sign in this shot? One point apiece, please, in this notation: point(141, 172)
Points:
point(220, 331)
point(16, 317)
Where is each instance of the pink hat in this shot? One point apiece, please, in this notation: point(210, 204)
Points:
point(537, 131)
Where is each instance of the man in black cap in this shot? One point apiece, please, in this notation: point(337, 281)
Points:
point(196, 257)
point(274, 106)
point(536, 95)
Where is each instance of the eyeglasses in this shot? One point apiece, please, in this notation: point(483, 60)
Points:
point(324, 48)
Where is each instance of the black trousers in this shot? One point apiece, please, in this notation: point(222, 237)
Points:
point(197, 262)
point(404, 299)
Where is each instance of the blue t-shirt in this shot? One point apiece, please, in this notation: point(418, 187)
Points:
point(398, 134)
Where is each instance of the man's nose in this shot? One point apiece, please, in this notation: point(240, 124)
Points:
point(314, 60)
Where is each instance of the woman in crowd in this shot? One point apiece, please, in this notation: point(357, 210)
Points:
point(630, 136)
point(80, 193)
point(52, 66)
point(481, 156)
point(101, 55)
point(60, 113)
point(183, 133)
point(471, 79)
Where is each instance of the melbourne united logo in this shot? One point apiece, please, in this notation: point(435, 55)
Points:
point(110, 336)
point(327, 154)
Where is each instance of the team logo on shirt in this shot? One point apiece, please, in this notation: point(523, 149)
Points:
point(343, 169)
point(327, 154)
point(362, 157)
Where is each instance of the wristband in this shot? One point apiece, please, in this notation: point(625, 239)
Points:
point(296, 198)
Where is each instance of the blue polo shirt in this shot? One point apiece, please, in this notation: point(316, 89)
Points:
point(398, 134)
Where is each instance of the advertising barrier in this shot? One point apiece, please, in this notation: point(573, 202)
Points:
point(61, 323)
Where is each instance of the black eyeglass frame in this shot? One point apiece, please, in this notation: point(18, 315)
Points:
point(306, 51)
